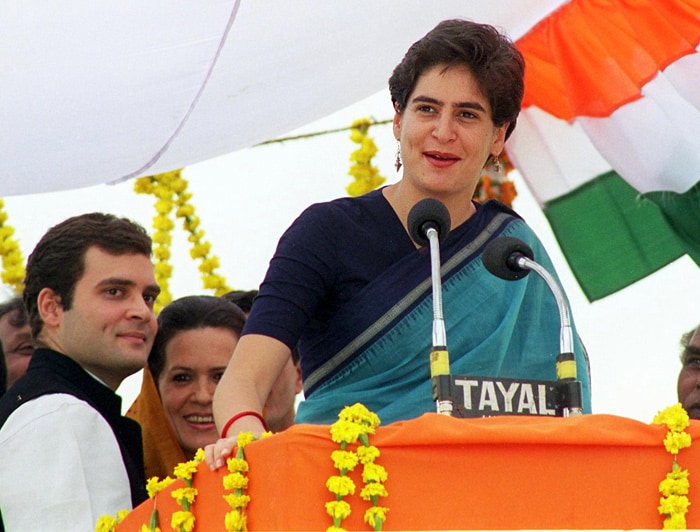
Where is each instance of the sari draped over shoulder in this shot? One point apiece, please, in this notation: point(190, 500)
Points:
point(376, 348)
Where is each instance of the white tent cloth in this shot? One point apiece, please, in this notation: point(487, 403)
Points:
point(100, 92)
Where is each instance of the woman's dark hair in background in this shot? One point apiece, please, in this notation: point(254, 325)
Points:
point(192, 312)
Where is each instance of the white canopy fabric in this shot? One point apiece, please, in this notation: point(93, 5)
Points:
point(100, 92)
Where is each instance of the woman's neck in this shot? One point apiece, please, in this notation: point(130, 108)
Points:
point(402, 199)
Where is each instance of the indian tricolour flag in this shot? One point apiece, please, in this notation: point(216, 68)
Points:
point(609, 136)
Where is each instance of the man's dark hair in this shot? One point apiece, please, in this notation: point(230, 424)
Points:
point(192, 312)
point(58, 260)
point(493, 60)
point(17, 311)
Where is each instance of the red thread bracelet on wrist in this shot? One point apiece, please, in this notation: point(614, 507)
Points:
point(239, 416)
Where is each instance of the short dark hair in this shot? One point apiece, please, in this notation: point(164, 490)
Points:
point(58, 260)
point(242, 298)
point(17, 311)
point(192, 312)
point(495, 63)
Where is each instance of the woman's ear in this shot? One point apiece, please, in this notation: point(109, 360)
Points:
point(397, 126)
point(50, 307)
point(397, 122)
point(499, 139)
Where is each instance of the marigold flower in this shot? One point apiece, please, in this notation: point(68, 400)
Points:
point(361, 124)
point(200, 249)
point(237, 501)
point(675, 522)
point(162, 223)
point(244, 438)
point(373, 490)
point(674, 417)
point(344, 460)
point(235, 481)
point(106, 523)
point(358, 413)
point(340, 485)
point(185, 470)
point(182, 520)
point(209, 264)
point(675, 441)
point(675, 483)
point(673, 504)
point(367, 454)
point(235, 521)
point(374, 473)
point(338, 509)
point(184, 494)
point(154, 486)
point(345, 432)
point(237, 465)
point(143, 185)
point(375, 516)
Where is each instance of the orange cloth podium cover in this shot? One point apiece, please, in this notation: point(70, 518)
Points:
point(589, 472)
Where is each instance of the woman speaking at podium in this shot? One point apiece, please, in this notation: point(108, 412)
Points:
point(349, 286)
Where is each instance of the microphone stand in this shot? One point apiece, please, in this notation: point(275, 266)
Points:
point(566, 360)
point(439, 356)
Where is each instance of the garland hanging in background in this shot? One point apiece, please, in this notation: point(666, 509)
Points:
point(367, 177)
point(170, 190)
point(495, 184)
point(12, 260)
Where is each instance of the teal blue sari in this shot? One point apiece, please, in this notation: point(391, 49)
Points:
point(377, 347)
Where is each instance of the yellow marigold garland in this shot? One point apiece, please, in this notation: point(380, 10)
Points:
point(674, 488)
point(107, 523)
point(183, 520)
point(366, 175)
point(170, 190)
point(356, 423)
point(12, 260)
point(237, 482)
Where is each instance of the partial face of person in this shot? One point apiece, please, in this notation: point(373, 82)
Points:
point(446, 133)
point(279, 407)
point(689, 378)
point(195, 360)
point(17, 345)
point(110, 327)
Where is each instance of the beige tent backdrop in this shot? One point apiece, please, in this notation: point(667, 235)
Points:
point(95, 96)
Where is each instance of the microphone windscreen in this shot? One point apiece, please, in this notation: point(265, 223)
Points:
point(500, 254)
point(424, 214)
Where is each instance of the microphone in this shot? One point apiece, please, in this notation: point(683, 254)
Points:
point(512, 259)
point(429, 223)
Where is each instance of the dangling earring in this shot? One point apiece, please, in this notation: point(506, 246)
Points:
point(398, 162)
point(496, 164)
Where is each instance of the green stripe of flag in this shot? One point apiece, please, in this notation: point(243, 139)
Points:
point(610, 235)
point(682, 212)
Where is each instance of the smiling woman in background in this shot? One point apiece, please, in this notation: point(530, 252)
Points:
point(195, 340)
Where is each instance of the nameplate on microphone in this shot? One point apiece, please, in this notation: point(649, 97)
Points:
point(486, 397)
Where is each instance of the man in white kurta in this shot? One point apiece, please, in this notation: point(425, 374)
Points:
point(67, 455)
